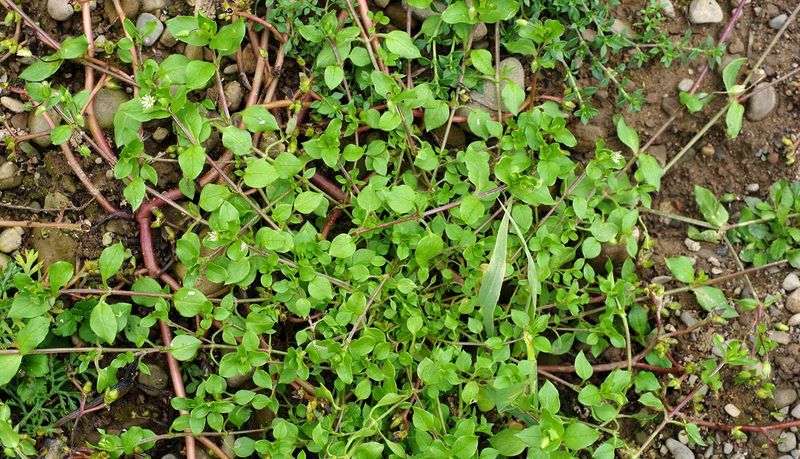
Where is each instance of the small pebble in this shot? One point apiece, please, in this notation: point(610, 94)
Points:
point(793, 302)
point(11, 239)
point(233, 95)
point(679, 450)
point(693, 246)
point(707, 150)
point(689, 319)
point(12, 104)
point(773, 158)
point(667, 8)
point(732, 410)
point(160, 134)
point(796, 411)
point(60, 10)
point(106, 104)
point(794, 320)
point(108, 238)
point(780, 337)
point(785, 397)
point(791, 282)
point(705, 12)
point(787, 441)
point(9, 177)
point(686, 85)
point(753, 187)
point(151, 38)
point(778, 21)
point(762, 103)
point(727, 448)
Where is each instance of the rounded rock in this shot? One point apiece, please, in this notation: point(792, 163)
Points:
point(129, 7)
point(785, 397)
point(9, 176)
point(705, 12)
point(762, 103)
point(37, 124)
point(11, 239)
point(686, 84)
point(787, 441)
point(678, 449)
point(60, 10)
point(794, 320)
point(796, 411)
point(142, 23)
point(106, 104)
point(233, 95)
point(791, 282)
point(778, 21)
point(12, 104)
point(793, 302)
point(155, 381)
point(667, 8)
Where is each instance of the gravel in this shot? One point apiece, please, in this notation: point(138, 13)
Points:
point(785, 397)
point(37, 123)
point(667, 8)
point(679, 450)
point(693, 246)
point(762, 103)
point(793, 302)
point(791, 282)
point(780, 337)
point(233, 95)
point(106, 104)
point(11, 239)
point(778, 21)
point(689, 319)
point(794, 320)
point(151, 38)
point(787, 441)
point(15, 105)
point(686, 84)
point(60, 10)
point(705, 12)
point(753, 187)
point(732, 410)
point(9, 177)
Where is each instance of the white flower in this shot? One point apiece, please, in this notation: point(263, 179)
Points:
point(618, 158)
point(243, 247)
point(148, 101)
point(212, 236)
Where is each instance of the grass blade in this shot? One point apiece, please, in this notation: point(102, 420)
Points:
point(493, 280)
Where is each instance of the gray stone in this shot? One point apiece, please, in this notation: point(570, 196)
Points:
point(60, 10)
point(106, 104)
point(791, 282)
point(56, 201)
point(785, 397)
point(587, 136)
point(780, 337)
point(37, 123)
point(796, 411)
point(479, 32)
point(195, 53)
point(142, 24)
point(686, 84)
point(794, 320)
point(382, 3)
point(732, 410)
point(9, 176)
point(53, 246)
point(667, 8)
point(727, 448)
point(160, 134)
point(168, 40)
point(793, 302)
point(11, 239)
point(152, 5)
point(621, 27)
point(12, 104)
point(787, 441)
point(233, 95)
point(705, 12)
point(762, 103)
point(679, 450)
point(752, 188)
point(778, 21)
point(156, 381)
point(129, 7)
point(689, 319)
point(487, 98)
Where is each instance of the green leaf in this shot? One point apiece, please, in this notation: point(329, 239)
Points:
point(692, 102)
point(650, 400)
point(482, 61)
point(307, 202)
point(111, 260)
point(103, 322)
point(134, 192)
point(229, 38)
point(191, 160)
point(579, 436)
point(733, 119)
point(492, 282)
point(190, 302)
point(713, 299)
point(9, 437)
point(681, 268)
point(58, 274)
point(649, 170)
point(34, 332)
point(9, 365)
point(334, 74)
point(238, 141)
point(731, 72)
point(436, 114)
point(627, 135)
point(212, 196)
point(582, 366)
point(184, 347)
point(400, 43)
point(427, 248)
point(198, 73)
point(342, 246)
point(259, 119)
point(40, 70)
point(513, 96)
point(60, 134)
point(259, 173)
point(401, 199)
point(591, 248)
point(711, 209)
point(73, 47)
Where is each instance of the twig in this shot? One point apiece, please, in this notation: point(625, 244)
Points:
point(363, 315)
point(33, 224)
